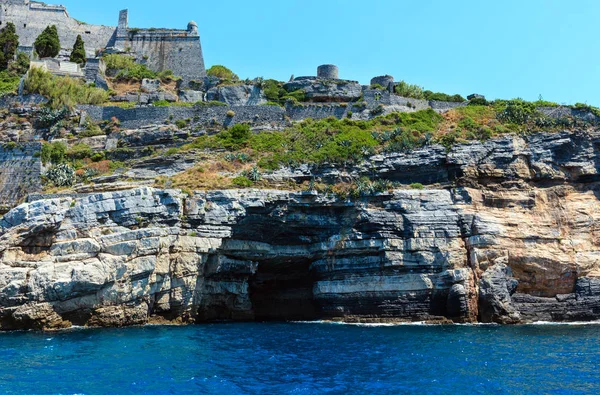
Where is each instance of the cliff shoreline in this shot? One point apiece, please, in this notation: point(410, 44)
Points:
point(510, 239)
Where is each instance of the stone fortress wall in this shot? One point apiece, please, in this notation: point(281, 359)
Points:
point(31, 18)
point(161, 49)
point(164, 49)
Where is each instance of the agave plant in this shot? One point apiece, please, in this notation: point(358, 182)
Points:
point(254, 174)
point(61, 175)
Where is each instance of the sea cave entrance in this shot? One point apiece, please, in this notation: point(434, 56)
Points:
point(283, 291)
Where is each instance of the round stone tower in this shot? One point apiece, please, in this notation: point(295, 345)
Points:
point(386, 81)
point(328, 71)
point(192, 28)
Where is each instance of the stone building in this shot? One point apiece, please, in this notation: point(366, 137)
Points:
point(59, 67)
point(161, 49)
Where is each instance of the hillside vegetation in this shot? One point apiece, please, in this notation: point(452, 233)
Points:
point(346, 142)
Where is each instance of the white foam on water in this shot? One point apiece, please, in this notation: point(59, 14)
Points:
point(573, 323)
point(368, 324)
point(423, 323)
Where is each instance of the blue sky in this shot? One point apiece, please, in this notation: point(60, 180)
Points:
point(502, 49)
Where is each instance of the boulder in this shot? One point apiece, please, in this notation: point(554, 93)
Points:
point(237, 95)
point(323, 90)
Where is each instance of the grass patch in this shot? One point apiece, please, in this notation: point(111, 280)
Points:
point(63, 91)
point(9, 82)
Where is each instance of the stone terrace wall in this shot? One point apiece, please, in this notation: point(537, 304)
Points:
point(19, 174)
point(204, 115)
point(445, 105)
point(319, 111)
point(375, 97)
point(217, 115)
point(258, 115)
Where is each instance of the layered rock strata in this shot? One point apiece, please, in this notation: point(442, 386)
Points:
point(512, 239)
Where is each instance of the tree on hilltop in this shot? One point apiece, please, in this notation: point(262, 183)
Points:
point(78, 53)
point(222, 72)
point(9, 42)
point(47, 44)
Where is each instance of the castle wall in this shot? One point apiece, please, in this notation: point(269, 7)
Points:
point(172, 50)
point(31, 19)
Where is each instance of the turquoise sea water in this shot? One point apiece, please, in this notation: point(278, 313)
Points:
point(302, 358)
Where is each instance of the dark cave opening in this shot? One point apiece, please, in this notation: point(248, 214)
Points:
point(283, 291)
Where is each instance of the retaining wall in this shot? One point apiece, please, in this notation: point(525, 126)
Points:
point(19, 174)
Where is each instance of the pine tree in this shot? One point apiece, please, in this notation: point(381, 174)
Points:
point(47, 45)
point(9, 42)
point(78, 53)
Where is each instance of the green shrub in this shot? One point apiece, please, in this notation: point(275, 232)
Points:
point(478, 101)
point(429, 95)
point(126, 105)
point(161, 103)
point(222, 72)
point(273, 90)
point(9, 83)
point(172, 151)
point(78, 53)
point(98, 157)
point(297, 95)
point(544, 103)
point(167, 76)
point(417, 185)
point(115, 165)
point(91, 129)
point(63, 91)
point(125, 68)
point(448, 140)
point(377, 110)
point(242, 182)
point(20, 65)
point(587, 108)
point(180, 123)
point(402, 140)
point(11, 145)
point(47, 44)
point(231, 113)
point(236, 137)
point(516, 111)
point(79, 151)
point(210, 103)
point(405, 89)
point(118, 62)
point(53, 152)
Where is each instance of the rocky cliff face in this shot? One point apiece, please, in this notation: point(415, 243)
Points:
point(509, 236)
